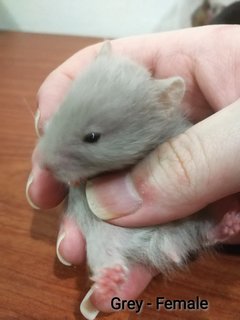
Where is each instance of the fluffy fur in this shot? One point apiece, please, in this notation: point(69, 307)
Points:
point(159, 248)
point(118, 98)
point(134, 113)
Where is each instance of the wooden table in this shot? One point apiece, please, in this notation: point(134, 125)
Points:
point(33, 284)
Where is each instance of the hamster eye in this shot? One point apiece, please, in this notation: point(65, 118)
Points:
point(91, 137)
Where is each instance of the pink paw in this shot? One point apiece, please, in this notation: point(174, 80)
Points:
point(231, 223)
point(228, 227)
point(109, 280)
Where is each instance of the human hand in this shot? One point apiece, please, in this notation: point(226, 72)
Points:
point(188, 53)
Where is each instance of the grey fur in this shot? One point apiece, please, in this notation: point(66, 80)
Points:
point(134, 113)
point(159, 248)
point(119, 98)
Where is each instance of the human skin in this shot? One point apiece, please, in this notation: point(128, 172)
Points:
point(208, 59)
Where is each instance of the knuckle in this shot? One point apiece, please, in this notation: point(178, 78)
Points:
point(180, 160)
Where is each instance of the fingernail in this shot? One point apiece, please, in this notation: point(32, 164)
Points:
point(60, 257)
point(88, 310)
point(36, 120)
point(112, 196)
point(29, 200)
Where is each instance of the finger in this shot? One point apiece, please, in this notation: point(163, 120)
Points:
point(180, 177)
point(42, 190)
point(55, 87)
point(50, 96)
point(70, 246)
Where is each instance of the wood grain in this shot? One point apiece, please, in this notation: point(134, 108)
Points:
point(33, 284)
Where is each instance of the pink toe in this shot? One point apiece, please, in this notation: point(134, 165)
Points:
point(226, 230)
point(137, 280)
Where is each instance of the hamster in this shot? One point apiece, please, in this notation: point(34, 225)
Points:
point(114, 114)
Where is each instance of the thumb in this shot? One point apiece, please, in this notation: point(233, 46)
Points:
point(177, 179)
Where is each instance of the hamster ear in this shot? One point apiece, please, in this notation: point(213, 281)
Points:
point(106, 49)
point(171, 90)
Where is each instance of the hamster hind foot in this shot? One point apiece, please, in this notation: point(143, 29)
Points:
point(133, 280)
point(108, 284)
point(227, 228)
point(109, 280)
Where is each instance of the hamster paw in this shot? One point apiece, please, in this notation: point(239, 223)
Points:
point(229, 226)
point(109, 280)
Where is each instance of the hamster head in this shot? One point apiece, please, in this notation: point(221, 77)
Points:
point(112, 116)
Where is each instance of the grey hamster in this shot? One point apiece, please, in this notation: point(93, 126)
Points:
point(114, 114)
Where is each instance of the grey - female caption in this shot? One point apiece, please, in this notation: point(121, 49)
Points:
point(160, 303)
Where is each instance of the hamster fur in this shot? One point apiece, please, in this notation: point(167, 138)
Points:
point(134, 113)
point(114, 114)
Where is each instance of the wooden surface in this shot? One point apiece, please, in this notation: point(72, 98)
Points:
point(33, 284)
